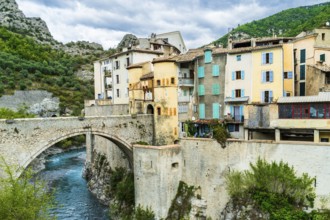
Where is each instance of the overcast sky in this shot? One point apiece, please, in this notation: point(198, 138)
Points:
point(107, 21)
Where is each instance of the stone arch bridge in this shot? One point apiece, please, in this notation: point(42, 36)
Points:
point(22, 140)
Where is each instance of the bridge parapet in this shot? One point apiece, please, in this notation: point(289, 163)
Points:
point(22, 140)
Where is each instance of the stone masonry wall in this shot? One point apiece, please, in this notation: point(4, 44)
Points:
point(202, 162)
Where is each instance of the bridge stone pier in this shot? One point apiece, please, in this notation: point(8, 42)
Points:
point(22, 140)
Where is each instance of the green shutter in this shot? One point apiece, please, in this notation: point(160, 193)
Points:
point(215, 89)
point(215, 110)
point(202, 111)
point(208, 56)
point(302, 56)
point(302, 72)
point(201, 90)
point(201, 72)
point(322, 57)
point(215, 70)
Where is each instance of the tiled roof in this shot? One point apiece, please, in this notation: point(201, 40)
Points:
point(136, 50)
point(137, 65)
point(147, 76)
point(165, 59)
point(249, 49)
point(190, 55)
point(322, 97)
point(324, 68)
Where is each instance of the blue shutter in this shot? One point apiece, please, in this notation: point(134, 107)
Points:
point(242, 93)
point(241, 110)
point(215, 89)
point(263, 58)
point(215, 110)
point(284, 93)
point(262, 96)
point(202, 111)
point(242, 74)
point(233, 93)
point(232, 111)
point(215, 70)
point(270, 57)
point(263, 76)
point(201, 72)
point(289, 75)
point(233, 75)
point(271, 77)
point(270, 95)
point(208, 56)
point(201, 90)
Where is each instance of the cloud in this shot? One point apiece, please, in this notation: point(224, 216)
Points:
point(107, 21)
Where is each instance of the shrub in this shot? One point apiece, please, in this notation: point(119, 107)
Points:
point(143, 214)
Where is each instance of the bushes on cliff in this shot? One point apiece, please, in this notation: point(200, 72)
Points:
point(22, 198)
point(274, 187)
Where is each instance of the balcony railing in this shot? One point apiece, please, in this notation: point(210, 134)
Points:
point(186, 81)
point(184, 98)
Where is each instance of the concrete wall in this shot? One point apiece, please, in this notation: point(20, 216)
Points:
point(203, 162)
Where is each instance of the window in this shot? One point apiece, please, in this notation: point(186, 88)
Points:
point(267, 96)
point(267, 58)
point(303, 56)
point(322, 57)
point(202, 111)
point(159, 111)
point(237, 93)
point(302, 89)
point(238, 58)
point(117, 93)
point(287, 75)
point(323, 36)
point(327, 78)
point(127, 61)
point(233, 127)
point(302, 72)
point(158, 82)
point(237, 75)
point(267, 76)
point(117, 79)
point(172, 81)
point(324, 139)
point(201, 90)
point(117, 64)
point(208, 56)
point(215, 70)
point(215, 89)
point(215, 110)
point(200, 72)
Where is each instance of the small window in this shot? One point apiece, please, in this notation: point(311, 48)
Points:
point(323, 36)
point(288, 94)
point(236, 127)
point(159, 111)
point(237, 93)
point(172, 81)
point(117, 79)
point(238, 75)
point(322, 57)
point(127, 61)
point(285, 75)
point(158, 82)
point(117, 64)
point(238, 58)
point(118, 94)
point(267, 58)
point(324, 139)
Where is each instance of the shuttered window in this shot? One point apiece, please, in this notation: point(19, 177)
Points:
point(215, 70)
point(208, 56)
point(201, 72)
point(202, 111)
point(302, 72)
point(267, 58)
point(303, 56)
point(201, 90)
point(215, 110)
point(215, 89)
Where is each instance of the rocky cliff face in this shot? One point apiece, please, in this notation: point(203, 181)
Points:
point(15, 20)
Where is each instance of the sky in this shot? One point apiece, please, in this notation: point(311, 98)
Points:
point(107, 21)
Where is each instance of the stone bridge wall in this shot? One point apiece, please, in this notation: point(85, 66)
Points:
point(24, 139)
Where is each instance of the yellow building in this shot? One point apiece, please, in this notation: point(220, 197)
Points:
point(153, 89)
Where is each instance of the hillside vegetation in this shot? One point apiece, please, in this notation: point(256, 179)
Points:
point(288, 23)
point(27, 65)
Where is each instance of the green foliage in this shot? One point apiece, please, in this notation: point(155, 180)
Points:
point(22, 198)
point(181, 204)
point(122, 189)
point(22, 59)
point(143, 214)
point(190, 128)
point(275, 188)
point(6, 113)
point(287, 23)
point(220, 133)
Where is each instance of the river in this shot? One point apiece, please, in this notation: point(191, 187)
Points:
point(63, 173)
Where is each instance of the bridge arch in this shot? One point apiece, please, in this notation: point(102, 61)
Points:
point(123, 145)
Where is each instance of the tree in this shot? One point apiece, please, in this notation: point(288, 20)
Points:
point(24, 197)
point(274, 187)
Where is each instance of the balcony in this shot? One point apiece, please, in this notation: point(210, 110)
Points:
point(184, 98)
point(186, 82)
